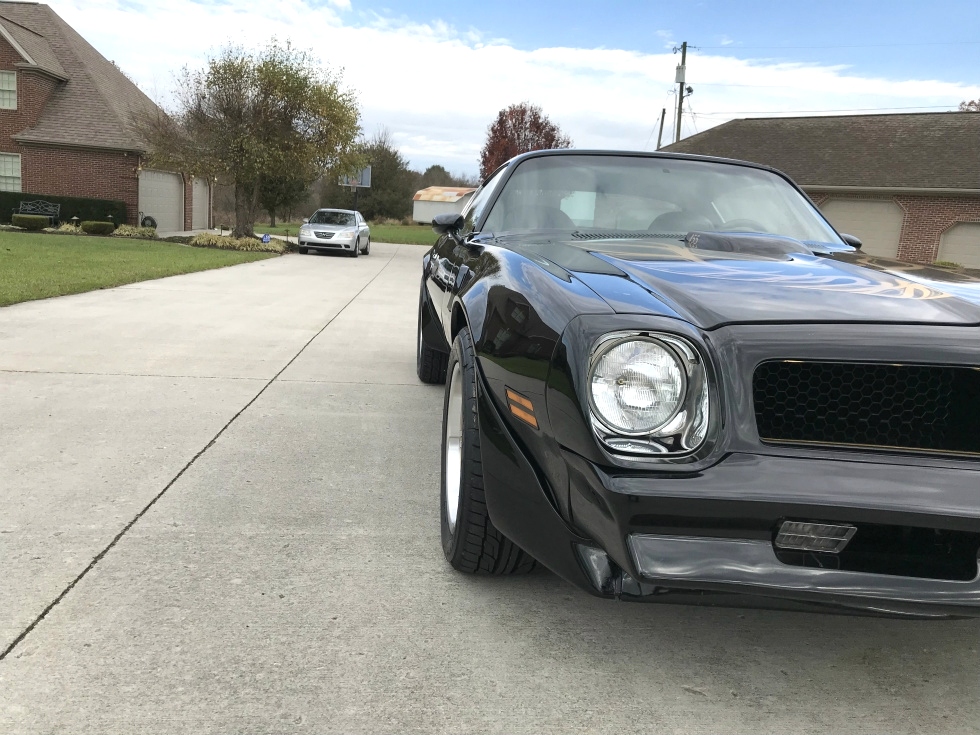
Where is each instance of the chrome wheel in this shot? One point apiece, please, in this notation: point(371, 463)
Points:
point(454, 446)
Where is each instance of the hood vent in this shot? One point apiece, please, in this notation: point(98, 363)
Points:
point(625, 236)
point(773, 246)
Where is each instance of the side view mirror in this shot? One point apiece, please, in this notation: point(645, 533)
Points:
point(448, 222)
point(854, 242)
point(306, 220)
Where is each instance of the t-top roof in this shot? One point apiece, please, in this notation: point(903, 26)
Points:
point(95, 104)
point(938, 150)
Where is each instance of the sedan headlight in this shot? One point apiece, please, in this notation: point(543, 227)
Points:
point(648, 393)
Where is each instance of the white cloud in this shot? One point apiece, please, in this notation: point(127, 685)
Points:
point(436, 87)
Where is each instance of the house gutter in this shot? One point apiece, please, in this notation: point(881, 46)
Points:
point(917, 190)
point(82, 146)
point(38, 69)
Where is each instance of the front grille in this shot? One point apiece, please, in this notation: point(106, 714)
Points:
point(917, 407)
point(323, 235)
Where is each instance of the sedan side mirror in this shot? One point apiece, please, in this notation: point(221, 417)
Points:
point(854, 242)
point(449, 222)
point(306, 220)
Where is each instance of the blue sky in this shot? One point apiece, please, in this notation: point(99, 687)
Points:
point(760, 28)
point(436, 73)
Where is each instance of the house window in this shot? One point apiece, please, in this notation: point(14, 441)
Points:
point(9, 172)
point(8, 90)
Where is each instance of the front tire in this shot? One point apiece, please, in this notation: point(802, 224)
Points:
point(302, 250)
point(357, 249)
point(430, 364)
point(367, 247)
point(470, 541)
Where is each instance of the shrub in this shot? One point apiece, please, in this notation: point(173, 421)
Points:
point(947, 264)
point(81, 207)
point(97, 228)
point(33, 222)
point(66, 229)
point(146, 233)
point(246, 244)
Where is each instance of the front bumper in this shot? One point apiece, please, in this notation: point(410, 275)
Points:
point(336, 242)
point(706, 537)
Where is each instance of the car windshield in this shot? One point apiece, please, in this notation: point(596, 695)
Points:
point(330, 217)
point(653, 196)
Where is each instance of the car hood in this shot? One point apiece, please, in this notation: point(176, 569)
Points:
point(710, 289)
point(332, 228)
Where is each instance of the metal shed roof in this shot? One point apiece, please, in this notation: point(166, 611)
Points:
point(442, 194)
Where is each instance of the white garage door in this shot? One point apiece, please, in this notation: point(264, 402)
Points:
point(199, 217)
point(162, 198)
point(961, 244)
point(877, 223)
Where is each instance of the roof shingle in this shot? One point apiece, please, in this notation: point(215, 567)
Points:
point(921, 150)
point(98, 104)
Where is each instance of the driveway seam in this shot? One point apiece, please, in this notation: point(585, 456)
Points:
point(118, 537)
point(132, 375)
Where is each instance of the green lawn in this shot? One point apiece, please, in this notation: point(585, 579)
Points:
point(36, 266)
point(410, 234)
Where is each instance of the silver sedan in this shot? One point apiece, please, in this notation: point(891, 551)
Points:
point(335, 229)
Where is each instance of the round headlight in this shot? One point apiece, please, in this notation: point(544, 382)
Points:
point(637, 385)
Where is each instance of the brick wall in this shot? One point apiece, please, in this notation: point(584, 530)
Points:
point(925, 220)
point(188, 201)
point(77, 172)
point(33, 91)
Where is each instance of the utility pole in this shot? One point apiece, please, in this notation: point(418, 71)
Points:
point(660, 136)
point(680, 79)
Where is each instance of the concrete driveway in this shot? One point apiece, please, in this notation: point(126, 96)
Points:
point(218, 514)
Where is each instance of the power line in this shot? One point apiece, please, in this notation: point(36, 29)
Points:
point(794, 112)
point(694, 117)
point(735, 47)
point(753, 86)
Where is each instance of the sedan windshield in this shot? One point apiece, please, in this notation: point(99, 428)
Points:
point(331, 217)
point(652, 197)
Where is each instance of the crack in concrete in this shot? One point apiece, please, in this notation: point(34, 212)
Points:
point(118, 537)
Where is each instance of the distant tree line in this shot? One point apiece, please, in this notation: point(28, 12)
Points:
point(393, 185)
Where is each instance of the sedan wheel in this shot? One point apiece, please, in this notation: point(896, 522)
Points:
point(357, 249)
point(367, 246)
point(470, 541)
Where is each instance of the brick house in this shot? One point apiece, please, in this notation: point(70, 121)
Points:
point(66, 124)
point(908, 185)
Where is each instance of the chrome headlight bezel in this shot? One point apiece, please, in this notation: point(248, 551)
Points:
point(686, 428)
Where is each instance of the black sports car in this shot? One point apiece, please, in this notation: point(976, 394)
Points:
point(669, 378)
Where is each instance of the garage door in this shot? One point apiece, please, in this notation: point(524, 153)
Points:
point(200, 213)
point(877, 223)
point(162, 198)
point(961, 244)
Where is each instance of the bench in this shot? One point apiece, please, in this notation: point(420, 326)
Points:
point(40, 207)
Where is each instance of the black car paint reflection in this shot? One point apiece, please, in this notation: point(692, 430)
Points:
point(537, 302)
